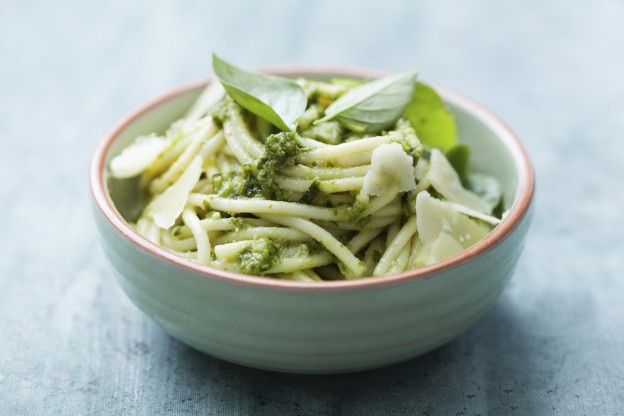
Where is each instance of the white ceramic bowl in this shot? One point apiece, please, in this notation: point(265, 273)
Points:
point(315, 327)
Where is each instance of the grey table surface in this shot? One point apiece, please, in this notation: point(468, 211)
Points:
point(71, 343)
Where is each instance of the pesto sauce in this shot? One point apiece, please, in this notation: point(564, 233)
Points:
point(259, 256)
point(262, 254)
point(239, 223)
point(351, 213)
point(311, 193)
point(258, 179)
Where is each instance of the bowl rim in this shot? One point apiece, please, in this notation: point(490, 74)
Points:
point(518, 210)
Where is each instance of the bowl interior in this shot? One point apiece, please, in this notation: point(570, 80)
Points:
point(491, 150)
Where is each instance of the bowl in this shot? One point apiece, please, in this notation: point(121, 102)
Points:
point(328, 327)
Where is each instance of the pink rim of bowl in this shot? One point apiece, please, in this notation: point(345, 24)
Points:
point(526, 186)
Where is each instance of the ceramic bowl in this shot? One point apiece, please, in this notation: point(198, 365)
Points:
point(324, 327)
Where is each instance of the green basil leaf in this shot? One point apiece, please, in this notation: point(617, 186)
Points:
point(499, 209)
point(373, 106)
point(432, 121)
point(279, 101)
point(459, 157)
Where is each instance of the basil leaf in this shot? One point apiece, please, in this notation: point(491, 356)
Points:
point(459, 157)
point(374, 106)
point(499, 209)
point(279, 101)
point(432, 121)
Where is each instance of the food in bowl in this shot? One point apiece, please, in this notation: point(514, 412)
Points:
point(310, 327)
point(310, 180)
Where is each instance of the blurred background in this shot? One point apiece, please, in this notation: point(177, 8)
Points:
point(71, 343)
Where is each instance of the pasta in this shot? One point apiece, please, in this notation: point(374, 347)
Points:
point(327, 199)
